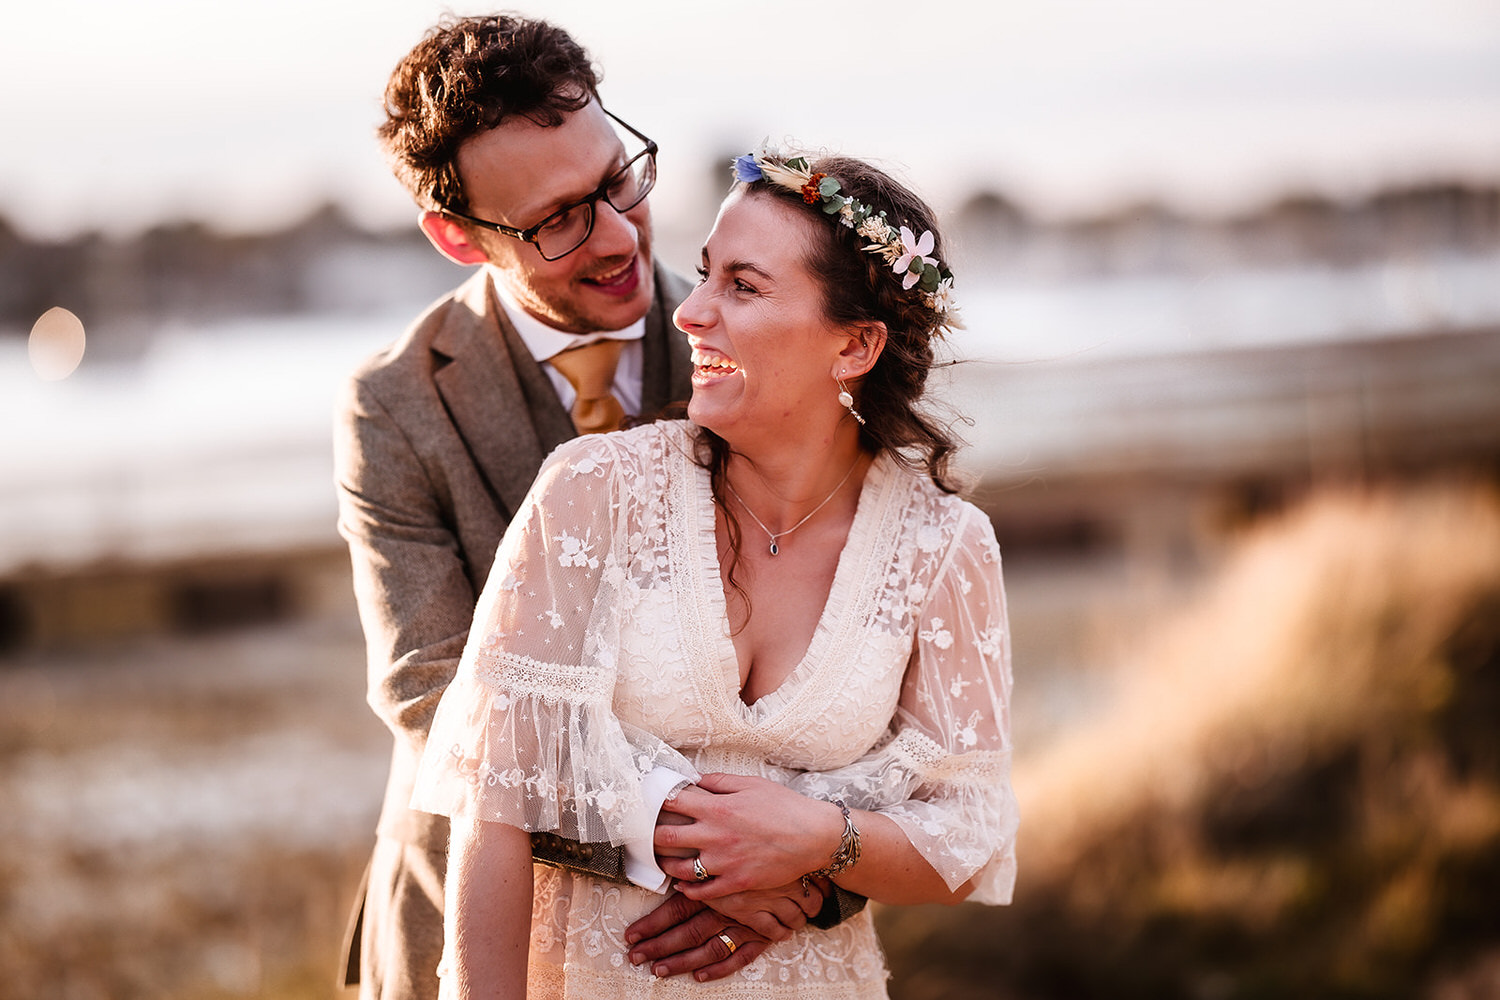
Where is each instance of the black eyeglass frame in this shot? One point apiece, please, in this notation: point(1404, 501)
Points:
point(529, 235)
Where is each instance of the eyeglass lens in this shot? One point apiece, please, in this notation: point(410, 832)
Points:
point(567, 231)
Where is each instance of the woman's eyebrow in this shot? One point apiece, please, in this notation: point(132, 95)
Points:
point(736, 266)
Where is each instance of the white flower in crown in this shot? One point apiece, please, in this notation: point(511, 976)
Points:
point(942, 301)
point(874, 228)
point(910, 256)
point(914, 249)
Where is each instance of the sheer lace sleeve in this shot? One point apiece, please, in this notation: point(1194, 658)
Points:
point(943, 773)
point(526, 733)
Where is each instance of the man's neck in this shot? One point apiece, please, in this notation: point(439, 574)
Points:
point(543, 339)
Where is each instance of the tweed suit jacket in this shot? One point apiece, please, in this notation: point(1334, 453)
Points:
point(437, 441)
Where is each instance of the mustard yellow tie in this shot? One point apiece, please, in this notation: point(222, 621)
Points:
point(590, 369)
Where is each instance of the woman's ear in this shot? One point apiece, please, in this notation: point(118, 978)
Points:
point(861, 349)
point(451, 239)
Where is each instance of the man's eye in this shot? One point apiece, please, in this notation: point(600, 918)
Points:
point(562, 221)
point(623, 186)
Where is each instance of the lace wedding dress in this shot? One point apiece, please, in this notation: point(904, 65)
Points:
point(600, 649)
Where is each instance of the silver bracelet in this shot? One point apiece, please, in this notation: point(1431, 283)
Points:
point(848, 852)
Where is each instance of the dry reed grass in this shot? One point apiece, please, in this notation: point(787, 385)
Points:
point(1295, 792)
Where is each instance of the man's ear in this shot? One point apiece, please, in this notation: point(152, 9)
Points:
point(862, 349)
point(451, 239)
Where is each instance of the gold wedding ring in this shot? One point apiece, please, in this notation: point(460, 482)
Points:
point(728, 942)
point(700, 873)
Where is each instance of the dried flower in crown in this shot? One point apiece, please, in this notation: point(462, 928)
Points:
point(908, 254)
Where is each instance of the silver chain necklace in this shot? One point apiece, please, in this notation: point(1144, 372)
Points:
point(773, 535)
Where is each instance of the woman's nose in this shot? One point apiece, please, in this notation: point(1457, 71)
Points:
point(691, 314)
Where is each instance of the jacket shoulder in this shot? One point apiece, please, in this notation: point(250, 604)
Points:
point(415, 350)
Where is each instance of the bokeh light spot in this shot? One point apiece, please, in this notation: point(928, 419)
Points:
point(56, 345)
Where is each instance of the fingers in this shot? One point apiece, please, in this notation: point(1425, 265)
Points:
point(676, 909)
point(693, 798)
point(744, 951)
point(685, 878)
point(790, 914)
point(683, 869)
point(666, 817)
point(673, 838)
point(721, 784)
point(777, 923)
point(722, 953)
point(814, 891)
point(682, 937)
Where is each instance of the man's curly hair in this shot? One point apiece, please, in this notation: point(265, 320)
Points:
point(466, 76)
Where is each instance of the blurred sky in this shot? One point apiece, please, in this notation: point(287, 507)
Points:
point(120, 115)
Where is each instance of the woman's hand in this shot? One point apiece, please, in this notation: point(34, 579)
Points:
point(747, 833)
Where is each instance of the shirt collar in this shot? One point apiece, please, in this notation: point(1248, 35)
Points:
point(544, 341)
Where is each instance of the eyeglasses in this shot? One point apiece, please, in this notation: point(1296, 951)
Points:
point(568, 228)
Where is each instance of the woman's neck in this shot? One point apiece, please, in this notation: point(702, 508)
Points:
point(781, 488)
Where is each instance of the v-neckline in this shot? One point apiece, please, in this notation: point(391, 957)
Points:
point(851, 556)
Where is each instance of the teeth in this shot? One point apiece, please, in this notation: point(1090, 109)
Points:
point(703, 359)
point(605, 279)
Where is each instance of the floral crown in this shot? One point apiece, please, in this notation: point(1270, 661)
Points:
point(909, 255)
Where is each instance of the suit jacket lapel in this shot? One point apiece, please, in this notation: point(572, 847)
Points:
point(665, 368)
point(497, 396)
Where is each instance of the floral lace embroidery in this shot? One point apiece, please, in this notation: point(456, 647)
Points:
point(604, 645)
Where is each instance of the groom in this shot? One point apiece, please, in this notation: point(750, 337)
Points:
point(494, 125)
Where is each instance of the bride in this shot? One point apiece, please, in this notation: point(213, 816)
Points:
point(780, 597)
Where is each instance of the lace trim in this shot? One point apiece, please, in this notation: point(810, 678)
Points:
point(700, 596)
point(926, 758)
point(552, 682)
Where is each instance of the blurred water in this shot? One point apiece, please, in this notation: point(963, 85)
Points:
point(217, 439)
point(1290, 306)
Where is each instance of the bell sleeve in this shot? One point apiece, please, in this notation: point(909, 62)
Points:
point(526, 734)
point(942, 773)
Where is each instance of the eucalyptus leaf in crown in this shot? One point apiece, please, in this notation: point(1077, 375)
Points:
point(909, 255)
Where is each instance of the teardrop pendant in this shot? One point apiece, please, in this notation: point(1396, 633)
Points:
point(774, 549)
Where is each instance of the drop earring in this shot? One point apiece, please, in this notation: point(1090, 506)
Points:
point(846, 400)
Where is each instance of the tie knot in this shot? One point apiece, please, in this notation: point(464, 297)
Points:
point(590, 370)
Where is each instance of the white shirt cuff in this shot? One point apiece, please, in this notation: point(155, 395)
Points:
point(640, 858)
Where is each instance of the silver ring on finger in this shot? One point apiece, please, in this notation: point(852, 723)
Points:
point(699, 872)
point(728, 942)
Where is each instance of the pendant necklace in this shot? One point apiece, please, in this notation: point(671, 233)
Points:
point(773, 535)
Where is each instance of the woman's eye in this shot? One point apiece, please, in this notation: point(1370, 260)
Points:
point(702, 273)
point(741, 286)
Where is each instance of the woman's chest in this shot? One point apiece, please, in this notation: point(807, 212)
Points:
point(679, 678)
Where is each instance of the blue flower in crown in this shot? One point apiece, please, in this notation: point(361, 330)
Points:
point(908, 255)
point(746, 169)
